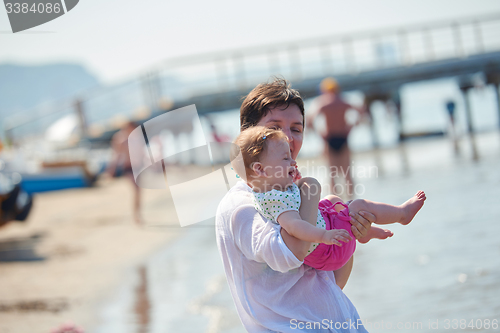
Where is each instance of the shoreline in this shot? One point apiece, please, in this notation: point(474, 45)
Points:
point(89, 241)
point(93, 247)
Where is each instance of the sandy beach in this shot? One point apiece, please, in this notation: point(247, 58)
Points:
point(88, 240)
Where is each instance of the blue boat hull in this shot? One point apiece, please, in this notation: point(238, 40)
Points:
point(54, 181)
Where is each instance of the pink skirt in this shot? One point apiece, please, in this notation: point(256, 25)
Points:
point(332, 257)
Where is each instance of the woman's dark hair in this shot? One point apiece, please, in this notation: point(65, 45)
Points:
point(265, 97)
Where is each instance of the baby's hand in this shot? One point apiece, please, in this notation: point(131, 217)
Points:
point(335, 236)
point(296, 175)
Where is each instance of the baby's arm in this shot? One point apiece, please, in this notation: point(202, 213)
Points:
point(295, 226)
point(309, 196)
point(310, 192)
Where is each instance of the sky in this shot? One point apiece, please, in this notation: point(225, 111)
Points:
point(117, 40)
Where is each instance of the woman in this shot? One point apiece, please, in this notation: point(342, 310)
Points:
point(272, 289)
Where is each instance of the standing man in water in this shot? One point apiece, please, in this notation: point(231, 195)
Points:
point(333, 108)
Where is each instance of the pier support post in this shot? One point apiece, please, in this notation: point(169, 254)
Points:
point(396, 100)
point(493, 78)
point(465, 87)
point(369, 99)
point(497, 94)
point(388, 97)
point(450, 108)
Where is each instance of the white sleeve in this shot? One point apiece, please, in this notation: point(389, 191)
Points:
point(261, 241)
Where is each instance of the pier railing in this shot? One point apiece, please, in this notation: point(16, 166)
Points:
point(182, 78)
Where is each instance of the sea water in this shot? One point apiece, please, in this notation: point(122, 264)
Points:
point(438, 272)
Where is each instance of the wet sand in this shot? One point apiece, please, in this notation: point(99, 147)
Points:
point(89, 240)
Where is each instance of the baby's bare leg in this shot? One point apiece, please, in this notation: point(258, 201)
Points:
point(387, 214)
point(374, 232)
point(333, 199)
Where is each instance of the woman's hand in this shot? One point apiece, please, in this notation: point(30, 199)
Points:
point(361, 223)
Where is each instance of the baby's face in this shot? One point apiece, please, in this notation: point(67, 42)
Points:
point(278, 164)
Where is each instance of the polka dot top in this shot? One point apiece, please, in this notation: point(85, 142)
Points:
point(273, 203)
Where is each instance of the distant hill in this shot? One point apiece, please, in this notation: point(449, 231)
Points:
point(25, 86)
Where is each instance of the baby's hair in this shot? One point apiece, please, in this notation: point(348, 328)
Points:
point(252, 143)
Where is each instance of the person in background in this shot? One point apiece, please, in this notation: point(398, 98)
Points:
point(334, 108)
point(450, 107)
point(121, 157)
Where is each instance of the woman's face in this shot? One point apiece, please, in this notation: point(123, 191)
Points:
point(290, 121)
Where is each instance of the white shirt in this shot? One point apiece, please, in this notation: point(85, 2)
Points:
point(272, 289)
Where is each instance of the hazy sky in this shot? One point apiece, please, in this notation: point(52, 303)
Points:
point(118, 39)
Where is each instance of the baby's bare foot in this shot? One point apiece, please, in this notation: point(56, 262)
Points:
point(412, 206)
point(376, 232)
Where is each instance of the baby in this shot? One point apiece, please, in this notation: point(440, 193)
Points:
point(270, 171)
